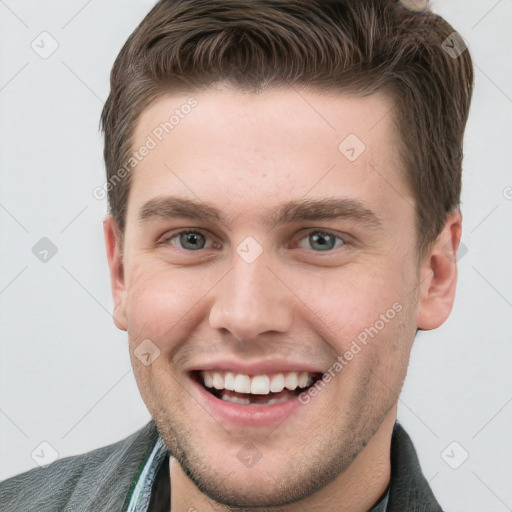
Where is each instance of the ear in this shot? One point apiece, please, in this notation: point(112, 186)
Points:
point(113, 244)
point(438, 275)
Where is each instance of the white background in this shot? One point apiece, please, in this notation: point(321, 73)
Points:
point(65, 372)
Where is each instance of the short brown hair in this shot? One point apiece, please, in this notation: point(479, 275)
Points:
point(358, 46)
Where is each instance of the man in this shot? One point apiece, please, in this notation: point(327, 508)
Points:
point(283, 182)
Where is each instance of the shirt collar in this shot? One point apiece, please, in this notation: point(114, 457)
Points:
point(142, 492)
point(382, 504)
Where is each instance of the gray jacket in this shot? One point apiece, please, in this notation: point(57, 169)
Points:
point(104, 479)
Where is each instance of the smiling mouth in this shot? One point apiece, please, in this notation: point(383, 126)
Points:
point(263, 389)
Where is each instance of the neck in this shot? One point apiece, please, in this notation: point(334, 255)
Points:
point(356, 490)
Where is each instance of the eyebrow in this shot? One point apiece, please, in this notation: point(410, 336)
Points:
point(329, 208)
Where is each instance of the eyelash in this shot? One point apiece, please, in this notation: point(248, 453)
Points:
point(167, 240)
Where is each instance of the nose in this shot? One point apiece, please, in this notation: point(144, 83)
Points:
point(252, 300)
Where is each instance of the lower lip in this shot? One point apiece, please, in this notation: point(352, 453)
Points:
point(246, 415)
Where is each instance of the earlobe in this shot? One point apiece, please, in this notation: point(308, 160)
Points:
point(438, 275)
point(113, 245)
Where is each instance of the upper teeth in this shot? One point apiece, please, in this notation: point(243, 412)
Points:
point(257, 384)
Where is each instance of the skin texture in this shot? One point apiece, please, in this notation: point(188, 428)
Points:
point(246, 154)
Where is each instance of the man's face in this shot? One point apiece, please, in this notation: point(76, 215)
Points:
point(260, 289)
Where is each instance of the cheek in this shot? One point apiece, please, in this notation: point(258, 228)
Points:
point(371, 329)
point(354, 300)
point(160, 303)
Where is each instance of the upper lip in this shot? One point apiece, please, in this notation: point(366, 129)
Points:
point(256, 367)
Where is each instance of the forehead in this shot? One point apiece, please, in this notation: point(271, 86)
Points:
point(246, 150)
point(235, 112)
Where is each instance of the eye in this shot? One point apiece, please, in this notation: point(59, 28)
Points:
point(322, 240)
point(194, 240)
point(188, 240)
